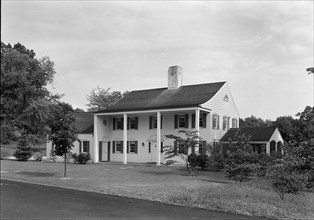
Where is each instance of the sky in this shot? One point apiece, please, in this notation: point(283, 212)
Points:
point(261, 48)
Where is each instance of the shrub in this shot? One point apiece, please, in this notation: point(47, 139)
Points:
point(4, 154)
point(81, 158)
point(217, 161)
point(192, 158)
point(202, 161)
point(240, 172)
point(38, 156)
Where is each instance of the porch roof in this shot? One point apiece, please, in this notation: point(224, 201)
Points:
point(262, 134)
point(84, 122)
point(164, 98)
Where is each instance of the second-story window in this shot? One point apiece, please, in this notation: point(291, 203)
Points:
point(153, 122)
point(202, 122)
point(132, 122)
point(181, 121)
point(215, 121)
point(117, 123)
point(225, 123)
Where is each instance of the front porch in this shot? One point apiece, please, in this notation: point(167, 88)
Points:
point(139, 136)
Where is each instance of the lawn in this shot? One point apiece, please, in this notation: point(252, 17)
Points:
point(208, 190)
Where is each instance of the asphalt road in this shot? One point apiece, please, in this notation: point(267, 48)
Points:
point(31, 201)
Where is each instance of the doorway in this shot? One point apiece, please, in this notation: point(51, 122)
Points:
point(104, 151)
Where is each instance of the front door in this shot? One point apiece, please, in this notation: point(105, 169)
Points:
point(153, 152)
point(104, 151)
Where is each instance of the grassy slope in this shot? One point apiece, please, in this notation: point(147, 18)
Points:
point(167, 184)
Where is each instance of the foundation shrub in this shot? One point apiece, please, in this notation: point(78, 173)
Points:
point(81, 158)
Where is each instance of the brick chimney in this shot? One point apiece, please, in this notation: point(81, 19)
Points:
point(174, 77)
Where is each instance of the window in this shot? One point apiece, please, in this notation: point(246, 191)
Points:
point(132, 122)
point(117, 146)
point(234, 123)
point(225, 123)
point(226, 98)
point(181, 121)
point(181, 148)
point(153, 122)
point(202, 147)
point(117, 123)
point(133, 147)
point(215, 121)
point(85, 148)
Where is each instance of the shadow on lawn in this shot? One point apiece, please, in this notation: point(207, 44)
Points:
point(36, 174)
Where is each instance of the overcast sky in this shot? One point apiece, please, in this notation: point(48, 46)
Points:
point(261, 48)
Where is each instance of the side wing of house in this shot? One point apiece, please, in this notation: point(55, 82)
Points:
point(224, 114)
point(275, 143)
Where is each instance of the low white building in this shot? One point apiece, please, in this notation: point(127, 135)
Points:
point(263, 140)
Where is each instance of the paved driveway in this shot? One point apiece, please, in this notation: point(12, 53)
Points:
point(30, 201)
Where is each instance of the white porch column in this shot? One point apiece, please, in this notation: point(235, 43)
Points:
point(197, 127)
point(125, 137)
point(96, 150)
point(158, 138)
point(268, 148)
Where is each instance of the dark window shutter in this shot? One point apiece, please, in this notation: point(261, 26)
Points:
point(136, 147)
point(80, 146)
point(193, 149)
point(176, 121)
point(186, 121)
point(204, 120)
point(161, 147)
point(114, 123)
point(128, 123)
point(122, 122)
point(218, 121)
point(149, 147)
point(150, 122)
point(122, 144)
point(113, 146)
point(161, 122)
point(136, 122)
point(128, 147)
point(175, 147)
point(193, 120)
point(87, 147)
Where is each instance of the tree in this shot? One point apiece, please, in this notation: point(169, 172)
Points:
point(181, 148)
point(24, 96)
point(286, 126)
point(62, 129)
point(240, 162)
point(254, 122)
point(100, 99)
point(305, 124)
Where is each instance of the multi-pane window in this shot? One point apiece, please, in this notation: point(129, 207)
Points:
point(182, 148)
point(181, 119)
point(85, 148)
point(132, 122)
point(153, 122)
point(234, 123)
point(117, 123)
point(133, 146)
point(202, 121)
point(215, 121)
point(225, 123)
point(119, 146)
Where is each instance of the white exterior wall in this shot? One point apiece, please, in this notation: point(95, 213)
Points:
point(76, 147)
point(217, 105)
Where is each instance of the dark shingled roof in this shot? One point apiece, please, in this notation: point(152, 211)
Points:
point(257, 134)
point(184, 96)
point(84, 122)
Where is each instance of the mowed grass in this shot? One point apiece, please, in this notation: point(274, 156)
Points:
point(208, 190)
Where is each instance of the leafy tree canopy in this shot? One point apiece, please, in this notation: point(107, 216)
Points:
point(24, 96)
point(100, 99)
point(254, 122)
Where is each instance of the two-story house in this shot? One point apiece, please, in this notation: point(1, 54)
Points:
point(134, 129)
